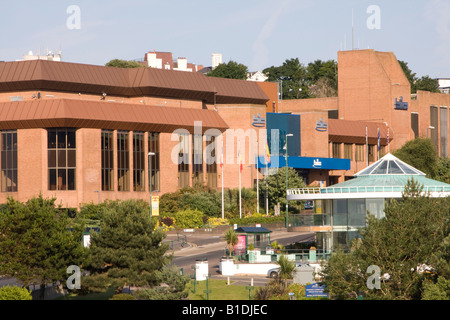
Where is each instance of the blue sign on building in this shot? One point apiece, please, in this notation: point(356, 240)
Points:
point(315, 290)
point(400, 104)
point(306, 163)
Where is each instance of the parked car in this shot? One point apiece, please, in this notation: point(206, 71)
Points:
point(273, 273)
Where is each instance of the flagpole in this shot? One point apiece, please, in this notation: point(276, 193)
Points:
point(240, 199)
point(221, 165)
point(379, 145)
point(367, 147)
point(265, 178)
point(257, 178)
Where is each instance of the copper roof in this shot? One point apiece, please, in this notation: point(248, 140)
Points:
point(348, 131)
point(132, 82)
point(104, 115)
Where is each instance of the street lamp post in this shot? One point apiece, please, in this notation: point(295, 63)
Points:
point(150, 154)
point(286, 157)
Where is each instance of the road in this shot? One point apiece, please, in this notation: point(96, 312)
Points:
point(212, 248)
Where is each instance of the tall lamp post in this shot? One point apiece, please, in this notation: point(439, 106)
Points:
point(286, 157)
point(150, 154)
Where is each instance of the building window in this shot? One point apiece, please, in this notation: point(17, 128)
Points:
point(9, 160)
point(372, 152)
point(336, 150)
point(153, 146)
point(197, 159)
point(359, 152)
point(107, 160)
point(123, 161)
point(211, 162)
point(183, 161)
point(138, 162)
point(61, 159)
point(348, 151)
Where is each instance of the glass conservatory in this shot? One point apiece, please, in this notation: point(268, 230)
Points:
point(340, 210)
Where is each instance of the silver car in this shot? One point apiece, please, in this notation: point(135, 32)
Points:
point(273, 273)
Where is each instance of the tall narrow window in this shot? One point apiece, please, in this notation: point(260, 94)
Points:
point(359, 152)
point(197, 159)
point(61, 158)
point(348, 151)
point(123, 161)
point(107, 160)
point(336, 150)
point(372, 151)
point(138, 162)
point(153, 146)
point(211, 162)
point(9, 161)
point(183, 161)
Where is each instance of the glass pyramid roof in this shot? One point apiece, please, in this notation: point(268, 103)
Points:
point(389, 165)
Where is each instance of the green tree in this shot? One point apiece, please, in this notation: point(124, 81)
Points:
point(421, 154)
point(127, 250)
point(443, 170)
point(276, 188)
point(426, 83)
point(118, 63)
point(36, 244)
point(292, 78)
point(322, 78)
point(230, 70)
point(411, 76)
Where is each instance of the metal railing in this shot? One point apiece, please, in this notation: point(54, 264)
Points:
point(362, 189)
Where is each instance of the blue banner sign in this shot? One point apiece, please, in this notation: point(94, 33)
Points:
point(400, 104)
point(307, 163)
point(315, 290)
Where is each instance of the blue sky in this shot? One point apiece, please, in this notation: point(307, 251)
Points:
point(257, 33)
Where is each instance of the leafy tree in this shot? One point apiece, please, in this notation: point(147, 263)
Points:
point(411, 76)
point(322, 78)
point(426, 83)
point(230, 70)
point(276, 188)
point(437, 291)
point(36, 244)
point(443, 170)
point(127, 250)
point(209, 203)
point(118, 63)
point(421, 154)
point(293, 76)
point(398, 245)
